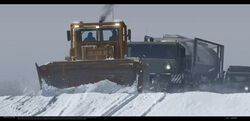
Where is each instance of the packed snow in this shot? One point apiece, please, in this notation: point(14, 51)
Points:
point(106, 98)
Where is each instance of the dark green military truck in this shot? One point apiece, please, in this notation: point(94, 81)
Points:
point(163, 60)
point(176, 63)
point(237, 78)
point(173, 62)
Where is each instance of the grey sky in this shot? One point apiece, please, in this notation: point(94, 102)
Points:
point(37, 33)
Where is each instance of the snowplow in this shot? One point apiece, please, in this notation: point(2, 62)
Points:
point(97, 52)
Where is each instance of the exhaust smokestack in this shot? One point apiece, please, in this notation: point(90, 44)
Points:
point(106, 11)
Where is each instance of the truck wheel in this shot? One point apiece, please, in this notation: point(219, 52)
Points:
point(165, 84)
point(151, 84)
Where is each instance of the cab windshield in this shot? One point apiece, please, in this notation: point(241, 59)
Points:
point(102, 34)
point(152, 51)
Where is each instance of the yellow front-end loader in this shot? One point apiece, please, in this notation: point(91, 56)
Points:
point(97, 52)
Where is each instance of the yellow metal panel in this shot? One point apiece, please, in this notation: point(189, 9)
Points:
point(119, 46)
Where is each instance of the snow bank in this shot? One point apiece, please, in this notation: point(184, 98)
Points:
point(106, 98)
point(203, 104)
point(104, 86)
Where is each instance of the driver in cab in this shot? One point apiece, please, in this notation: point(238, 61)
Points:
point(90, 37)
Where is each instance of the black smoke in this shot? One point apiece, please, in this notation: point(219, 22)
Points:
point(106, 11)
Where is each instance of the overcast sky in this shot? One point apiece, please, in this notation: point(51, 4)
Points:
point(37, 33)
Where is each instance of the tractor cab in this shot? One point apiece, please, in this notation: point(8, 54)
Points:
point(97, 41)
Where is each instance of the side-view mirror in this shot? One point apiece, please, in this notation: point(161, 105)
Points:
point(151, 39)
point(68, 35)
point(146, 38)
point(129, 34)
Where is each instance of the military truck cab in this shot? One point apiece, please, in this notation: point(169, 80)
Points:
point(165, 61)
point(237, 78)
point(174, 60)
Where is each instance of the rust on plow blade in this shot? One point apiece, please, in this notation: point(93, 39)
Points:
point(71, 74)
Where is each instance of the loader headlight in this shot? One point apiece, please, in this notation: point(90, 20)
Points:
point(246, 88)
point(76, 26)
point(168, 67)
point(117, 24)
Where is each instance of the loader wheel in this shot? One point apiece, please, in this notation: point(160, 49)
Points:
point(140, 86)
point(165, 87)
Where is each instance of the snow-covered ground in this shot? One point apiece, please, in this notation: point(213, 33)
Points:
point(109, 99)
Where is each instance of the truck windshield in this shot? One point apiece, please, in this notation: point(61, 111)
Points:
point(152, 51)
point(105, 34)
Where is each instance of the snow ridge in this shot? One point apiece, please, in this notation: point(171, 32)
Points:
point(89, 100)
